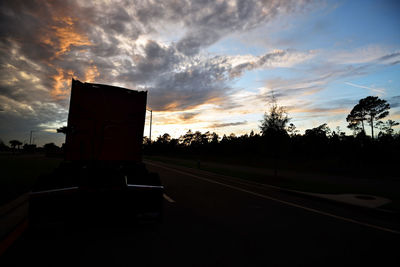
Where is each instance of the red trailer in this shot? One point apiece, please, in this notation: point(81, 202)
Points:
point(105, 123)
point(102, 175)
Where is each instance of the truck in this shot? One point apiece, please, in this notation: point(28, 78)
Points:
point(102, 177)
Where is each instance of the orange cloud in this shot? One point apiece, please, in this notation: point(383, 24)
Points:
point(172, 106)
point(91, 74)
point(64, 35)
point(62, 80)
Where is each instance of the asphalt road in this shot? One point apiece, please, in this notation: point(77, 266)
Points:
point(212, 221)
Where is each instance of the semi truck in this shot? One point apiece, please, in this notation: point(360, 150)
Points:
point(102, 177)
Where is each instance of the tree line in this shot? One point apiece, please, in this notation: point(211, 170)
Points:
point(17, 146)
point(280, 141)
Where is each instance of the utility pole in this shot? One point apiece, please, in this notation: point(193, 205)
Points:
point(151, 121)
point(30, 138)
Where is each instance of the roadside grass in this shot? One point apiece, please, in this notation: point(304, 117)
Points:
point(19, 172)
point(293, 183)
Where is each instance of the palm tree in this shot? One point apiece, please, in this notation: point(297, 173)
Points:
point(15, 143)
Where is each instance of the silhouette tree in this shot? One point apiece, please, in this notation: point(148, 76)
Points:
point(275, 121)
point(339, 131)
point(375, 110)
point(50, 147)
point(387, 127)
point(371, 109)
point(292, 130)
point(15, 143)
point(355, 118)
point(186, 139)
point(199, 139)
point(62, 129)
point(321, 131)
point(273, 130)
point(164, 139)
point(146, 140)
point(214, 138)
point(29, 147)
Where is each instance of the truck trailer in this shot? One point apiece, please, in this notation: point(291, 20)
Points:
point(102, 177)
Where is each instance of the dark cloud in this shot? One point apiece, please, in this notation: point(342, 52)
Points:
point(196, 85)
point(211, 20)
point(18, 121)
point(191, 43)
point(151, 65)
point(188, 115)
point(221, 125)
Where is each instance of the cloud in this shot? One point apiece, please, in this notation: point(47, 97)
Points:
point(366, 54)
point(277, 58)
point(44, 44)
point(227, 124)
point(211, 20)
point(318, 75)
point(394, 101)
point(189, 115)
point(316, 111)
point(390, 58)
point(292, 88)
point(180, 82)
point(18, 118)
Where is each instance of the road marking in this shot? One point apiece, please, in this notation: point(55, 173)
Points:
point(282, 201)
point(167, 198)
point(54, 190)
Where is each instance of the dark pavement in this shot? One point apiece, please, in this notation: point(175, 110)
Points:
point(216, 222)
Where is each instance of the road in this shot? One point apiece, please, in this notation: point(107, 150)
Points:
point(212, 221)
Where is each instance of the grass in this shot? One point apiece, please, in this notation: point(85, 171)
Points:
point(266, 176)
point(19, 172)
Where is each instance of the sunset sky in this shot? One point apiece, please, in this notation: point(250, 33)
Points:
point(207, 65)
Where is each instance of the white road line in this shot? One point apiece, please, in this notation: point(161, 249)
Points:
point(54, 190)
point(282, 201)
point(167, 198)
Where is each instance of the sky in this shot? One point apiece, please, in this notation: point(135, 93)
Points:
point(207, 65)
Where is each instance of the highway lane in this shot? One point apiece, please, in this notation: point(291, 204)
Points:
point(211, 224)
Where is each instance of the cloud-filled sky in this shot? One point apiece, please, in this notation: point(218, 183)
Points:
point(207, 65)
